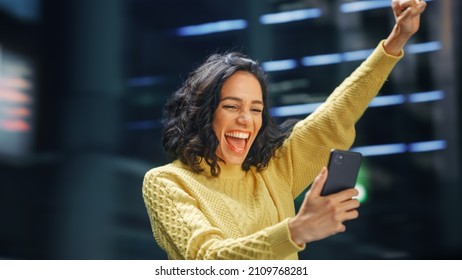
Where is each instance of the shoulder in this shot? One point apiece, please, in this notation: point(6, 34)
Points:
point(169, 171)
point(162, 182)
point(172, 175)
point(172, 182)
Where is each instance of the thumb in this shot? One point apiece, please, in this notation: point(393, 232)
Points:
point(319, 182)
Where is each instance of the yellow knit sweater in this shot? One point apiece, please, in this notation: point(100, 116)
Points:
point(244, 215)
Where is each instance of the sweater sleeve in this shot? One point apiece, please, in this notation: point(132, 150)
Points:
point(332, 125)
point(184, 232)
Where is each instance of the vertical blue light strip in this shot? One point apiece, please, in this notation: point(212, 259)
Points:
point(427, 146)
point(379, 101)
point(360, 6)
point(363, 6)
point(212, 27)
point(424, 47)
point(290, 16)
point(387, 100)
point(294, 110)
point(323, 59)
point(378, 150)
point(399, 148)
point(357, 55)
point(426, 96)
point(279, 65)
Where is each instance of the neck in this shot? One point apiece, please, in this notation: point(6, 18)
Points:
point(230, 170)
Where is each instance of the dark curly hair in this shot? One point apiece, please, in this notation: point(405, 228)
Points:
point(188, 116)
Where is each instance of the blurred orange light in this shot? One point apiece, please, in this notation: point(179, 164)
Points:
point(11, 95)
point(16, 83)
point(15, 125)
point(17, 112)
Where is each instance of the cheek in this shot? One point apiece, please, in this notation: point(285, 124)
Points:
point(217, 124)
point(258, 123)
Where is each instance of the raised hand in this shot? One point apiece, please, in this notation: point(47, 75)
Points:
point(407, 16)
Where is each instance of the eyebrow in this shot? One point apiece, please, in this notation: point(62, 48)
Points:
point(240, 100)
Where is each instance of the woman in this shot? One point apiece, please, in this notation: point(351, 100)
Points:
point(229, 193)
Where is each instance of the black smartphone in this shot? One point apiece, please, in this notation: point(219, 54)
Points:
point(343, 170)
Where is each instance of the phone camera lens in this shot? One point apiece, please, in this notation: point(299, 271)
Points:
point(338, 159)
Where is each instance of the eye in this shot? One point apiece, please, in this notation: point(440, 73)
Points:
point(256, 110)
point(230, 107)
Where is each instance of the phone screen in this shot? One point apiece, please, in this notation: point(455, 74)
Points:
point(343, 169)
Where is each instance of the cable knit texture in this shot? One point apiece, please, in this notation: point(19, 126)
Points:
point(244, 215)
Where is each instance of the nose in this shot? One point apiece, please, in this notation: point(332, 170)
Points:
point(244, 118)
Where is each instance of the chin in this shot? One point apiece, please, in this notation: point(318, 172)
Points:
point(232, 159)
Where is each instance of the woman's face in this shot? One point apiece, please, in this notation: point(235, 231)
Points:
point(238, 117)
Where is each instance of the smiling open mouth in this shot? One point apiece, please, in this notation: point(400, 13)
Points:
point(237, 140)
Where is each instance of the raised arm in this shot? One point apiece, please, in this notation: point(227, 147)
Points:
point(319, 216)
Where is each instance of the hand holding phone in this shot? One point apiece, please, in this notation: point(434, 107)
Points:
point(343, 169)
point(315, 221)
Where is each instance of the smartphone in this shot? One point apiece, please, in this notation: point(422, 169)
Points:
point(343, 169)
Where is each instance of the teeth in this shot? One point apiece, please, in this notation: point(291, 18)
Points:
point(241, 135)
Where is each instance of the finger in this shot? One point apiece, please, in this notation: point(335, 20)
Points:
point(340, 228)
point(420, 6)
point(344, 195)
point(349, 205)
point(401, 5)
point(406, 13)
point(413, 7)
point(409, 9)
point(348, 216)
point(319, 182)
point(409, 14)
point(417, 9)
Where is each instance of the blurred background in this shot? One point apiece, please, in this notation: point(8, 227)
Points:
point(83, 83)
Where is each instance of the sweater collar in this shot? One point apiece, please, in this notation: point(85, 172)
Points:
point(226, 171)
point(231, 171)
